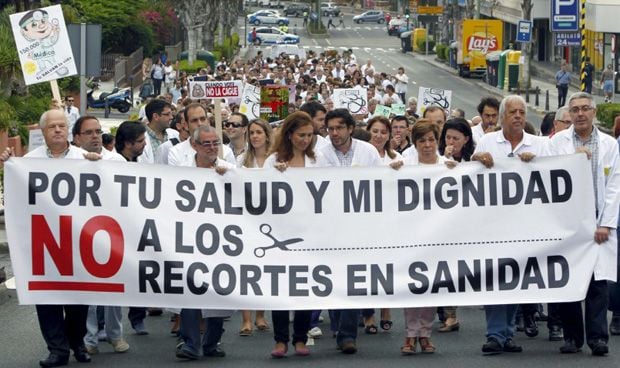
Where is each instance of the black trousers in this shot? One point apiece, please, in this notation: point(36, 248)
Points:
point(63, 327)
point(595, 316)
point(136, 315)
point(301, 325)
point(562, 92)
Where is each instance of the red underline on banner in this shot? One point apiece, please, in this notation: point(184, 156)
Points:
point(76, 286)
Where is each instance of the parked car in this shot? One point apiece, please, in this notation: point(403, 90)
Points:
point(330, 9)
point(271, 3)
point(266, 17)
point(394, 26)
point(371, 16)
point(251, 2)
point(296, 10)
point(272, 35)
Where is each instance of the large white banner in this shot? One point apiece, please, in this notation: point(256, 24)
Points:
point(43, 44)
point(106, 233)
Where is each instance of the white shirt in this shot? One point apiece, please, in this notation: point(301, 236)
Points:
point(338, 73)
point(111, 156)
point(499, 147)
point(387, 160)
point(477, 133)
point(319, 161)
point(183, 153)
point(364, 154)
point(72, 117)
point(401, 83)
point(41, 152)
point(393, 99)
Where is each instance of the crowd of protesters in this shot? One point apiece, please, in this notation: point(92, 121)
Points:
point(175, 130)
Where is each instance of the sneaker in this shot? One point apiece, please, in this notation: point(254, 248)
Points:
point(120, 345)
point(348, 347)
point(492, 346)
point(511, 347)
point(315, 332)
point(321, 319)
point(215, 353)
point(140, 329)
point(186, 354)
point(101, 335)
point(92, 350)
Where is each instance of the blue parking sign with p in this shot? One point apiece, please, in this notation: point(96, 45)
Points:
point(565, 15)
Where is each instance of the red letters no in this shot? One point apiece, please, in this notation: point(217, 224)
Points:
point(117, 246)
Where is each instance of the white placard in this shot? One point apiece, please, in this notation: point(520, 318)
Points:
point(353, 99)
point(250, 101)
point(43, 44)
point(433, 96)
point(215, 89)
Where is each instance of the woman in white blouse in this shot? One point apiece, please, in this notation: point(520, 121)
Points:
point(380, 135)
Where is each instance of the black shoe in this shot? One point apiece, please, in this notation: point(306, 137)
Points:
point(569, 347)
point(154, 312)
point(348, 347)
point(555, 333)
point(215, 353)
point(492, 346)
point(519, 324)
point(54, 360)
point(186, 354)
point(614, 326)
point(511, 347)
point(530, 328)
point(600, 348)
point(81, 355)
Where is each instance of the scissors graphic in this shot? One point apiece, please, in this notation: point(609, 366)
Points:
point(266, 230)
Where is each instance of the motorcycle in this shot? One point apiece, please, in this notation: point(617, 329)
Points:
point(119, 99)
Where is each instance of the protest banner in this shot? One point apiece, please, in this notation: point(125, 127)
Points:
point(215, 89)
point(43, 45)
point(433, 96)
point(273, 103)
point(250, 101)
point(381, 110)
point(353, 99)
point(106, 233)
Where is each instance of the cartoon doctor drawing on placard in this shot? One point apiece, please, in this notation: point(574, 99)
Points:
point(43, 35)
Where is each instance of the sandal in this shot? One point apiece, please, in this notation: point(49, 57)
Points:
point(386, 325)
point(245, 332)
point(261, 327)
point(409, 347)
point(371, 330)
point(426, 345)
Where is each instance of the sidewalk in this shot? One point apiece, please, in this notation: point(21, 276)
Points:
point(541, 78)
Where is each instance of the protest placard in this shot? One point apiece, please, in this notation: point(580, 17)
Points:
point(250, 101)
point(273, 103)
point(381, 110)
point(43, 44)
point(433, 96)
point(353, 99)
point(215, 89)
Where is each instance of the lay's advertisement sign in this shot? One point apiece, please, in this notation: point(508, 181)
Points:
point(480, 37)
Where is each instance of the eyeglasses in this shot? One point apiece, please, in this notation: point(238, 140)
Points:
point(92, 132)
point(564, 121)
point(208, 144)
point(230, 124)
point(166, 113)
point(336, 128)
point(584, 108)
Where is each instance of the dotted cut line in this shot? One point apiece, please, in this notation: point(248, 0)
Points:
point(422, 245)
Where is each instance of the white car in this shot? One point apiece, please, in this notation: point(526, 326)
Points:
point(267, 17)
point(272, 35)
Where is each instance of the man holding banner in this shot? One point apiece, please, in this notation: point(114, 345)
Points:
point(511, 141)
point(602, 151)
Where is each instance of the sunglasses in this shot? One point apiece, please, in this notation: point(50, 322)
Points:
point(230, 124)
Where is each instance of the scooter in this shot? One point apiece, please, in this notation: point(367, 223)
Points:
point(119, 99)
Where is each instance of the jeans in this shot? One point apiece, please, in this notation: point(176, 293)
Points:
point(63, 327)
point(190, 331)
point(136, 315)
point(113, 325)
point(314, 318)
point(562, 92)
point(501, 321)
point(595, 316)
point(346, 322)
point(301, 325)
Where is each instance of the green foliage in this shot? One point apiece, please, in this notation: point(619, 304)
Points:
point(422, 44)
point(606, 113)
point(136, 35)
point(440, 49)
point(197, 65)
point(235, 39)
point(113, 130)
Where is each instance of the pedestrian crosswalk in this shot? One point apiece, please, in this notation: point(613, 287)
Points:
point(354, 48)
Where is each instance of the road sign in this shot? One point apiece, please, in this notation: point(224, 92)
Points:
point(567, 39)
point(565, 15)
point(525, 31)
point(430, 10)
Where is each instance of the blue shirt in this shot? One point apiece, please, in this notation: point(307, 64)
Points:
point(562, 77)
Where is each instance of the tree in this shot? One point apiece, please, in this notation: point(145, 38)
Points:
point(526, 50)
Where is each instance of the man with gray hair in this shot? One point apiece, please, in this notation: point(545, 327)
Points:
point(602, 151)
point(562, 120)
point(510, 141)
